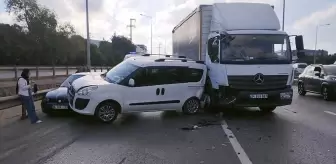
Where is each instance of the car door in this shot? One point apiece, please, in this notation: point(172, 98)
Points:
point(308, 77)
point(145, 94)
point(316, 80)
point(172, 87)
point(181, 83)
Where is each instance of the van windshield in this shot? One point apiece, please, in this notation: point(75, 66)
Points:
point(256, 49)
point(120, 72)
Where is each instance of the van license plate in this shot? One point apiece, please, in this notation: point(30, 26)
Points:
point(60, 107)
point(258, 96)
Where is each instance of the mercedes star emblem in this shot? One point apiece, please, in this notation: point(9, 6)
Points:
point(259, 78)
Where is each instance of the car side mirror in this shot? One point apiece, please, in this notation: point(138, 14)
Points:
point(131, 82)
point(317, 74)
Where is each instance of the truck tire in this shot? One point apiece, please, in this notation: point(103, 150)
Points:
point(210, 97)
point(267, 109)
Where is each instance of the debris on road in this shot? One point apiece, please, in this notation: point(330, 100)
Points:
point(202, 123)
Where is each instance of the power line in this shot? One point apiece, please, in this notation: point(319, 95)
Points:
point(131, 26)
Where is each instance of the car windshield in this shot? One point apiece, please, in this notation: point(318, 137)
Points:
point(268, 49)
point(70, 79)
point(330, 69)
point(120, 72)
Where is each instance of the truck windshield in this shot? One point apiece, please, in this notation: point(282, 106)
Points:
point(256, 49)
point(120, 72)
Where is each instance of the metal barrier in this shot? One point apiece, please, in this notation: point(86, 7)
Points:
point(12, 101)
point(37, 72)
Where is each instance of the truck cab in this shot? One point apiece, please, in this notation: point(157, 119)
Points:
point(248, 57)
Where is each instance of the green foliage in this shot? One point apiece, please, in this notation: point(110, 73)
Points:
point(43, 41)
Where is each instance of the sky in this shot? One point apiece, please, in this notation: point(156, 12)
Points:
point(109, 16)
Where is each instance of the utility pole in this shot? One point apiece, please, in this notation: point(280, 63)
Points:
point(88, 59)
point(131, 26)
point(165, 49)
point(159, 48)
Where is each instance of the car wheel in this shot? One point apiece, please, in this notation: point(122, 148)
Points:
point(107, 112)
point(326, 93)
point(301, 89)
point(268, 109)
point(191, 106)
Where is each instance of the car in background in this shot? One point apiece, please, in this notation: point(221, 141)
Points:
point(299, 68)
point(320, 79)
point(56, 100)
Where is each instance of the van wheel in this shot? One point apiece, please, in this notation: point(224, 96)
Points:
point(191, 106)
point(268, 109)
point(107, 112)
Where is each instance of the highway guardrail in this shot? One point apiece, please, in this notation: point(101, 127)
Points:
point(12, 101)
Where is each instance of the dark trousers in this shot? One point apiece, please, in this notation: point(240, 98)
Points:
point(28, 103)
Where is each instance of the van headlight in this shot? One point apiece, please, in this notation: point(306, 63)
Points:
point(87, 90)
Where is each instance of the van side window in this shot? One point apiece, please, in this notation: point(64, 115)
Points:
point(193, 75)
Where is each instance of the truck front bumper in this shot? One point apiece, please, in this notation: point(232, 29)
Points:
point(280, 97)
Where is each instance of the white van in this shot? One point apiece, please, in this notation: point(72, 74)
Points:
point(142, 84)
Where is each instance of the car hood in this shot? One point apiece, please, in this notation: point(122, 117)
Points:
point(59, 93)
point(88, 80)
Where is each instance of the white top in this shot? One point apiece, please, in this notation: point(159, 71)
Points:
point(243, 16)
point(23, 87)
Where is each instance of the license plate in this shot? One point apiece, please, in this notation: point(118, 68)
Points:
point(60, 107)
point(258, 96)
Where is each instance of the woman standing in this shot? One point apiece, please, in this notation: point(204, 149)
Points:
point(25, 93)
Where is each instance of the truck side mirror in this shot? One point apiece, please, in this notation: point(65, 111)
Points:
point(299, 46)
point(299, 43)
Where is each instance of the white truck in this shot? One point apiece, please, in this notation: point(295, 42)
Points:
point(249, 59)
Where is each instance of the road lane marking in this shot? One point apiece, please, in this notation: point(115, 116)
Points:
point(332, 113)
point(244, 159)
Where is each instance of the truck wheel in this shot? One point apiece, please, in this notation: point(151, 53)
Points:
point(107, 112)
point(210, 97)
point(268, 109)
point(191, 106)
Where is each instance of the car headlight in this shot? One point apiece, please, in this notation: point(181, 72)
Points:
point(87, 90)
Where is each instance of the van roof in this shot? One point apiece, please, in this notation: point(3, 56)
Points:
point(165, 61)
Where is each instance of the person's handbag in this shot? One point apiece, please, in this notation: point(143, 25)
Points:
point(35, 88)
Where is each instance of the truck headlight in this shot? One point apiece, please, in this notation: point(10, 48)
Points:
point(87, 90)
point(286, 95)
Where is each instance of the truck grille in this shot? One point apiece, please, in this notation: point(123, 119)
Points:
point(248, 82)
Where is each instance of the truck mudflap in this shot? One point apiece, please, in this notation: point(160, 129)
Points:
point(280, 97)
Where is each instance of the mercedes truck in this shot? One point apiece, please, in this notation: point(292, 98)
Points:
point(249, 59)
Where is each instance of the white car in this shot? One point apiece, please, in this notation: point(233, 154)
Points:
point(142, 84)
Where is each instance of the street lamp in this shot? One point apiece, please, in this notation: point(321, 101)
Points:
point(283, 14)
point(88, 59)
point(317, 28)
point(151, 18)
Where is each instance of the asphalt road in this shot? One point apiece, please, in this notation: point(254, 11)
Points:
point(303, 133)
